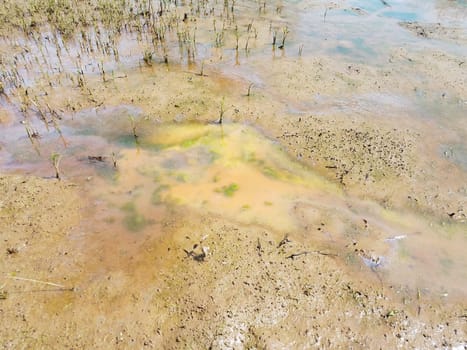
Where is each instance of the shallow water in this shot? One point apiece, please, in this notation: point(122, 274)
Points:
point(233, 170)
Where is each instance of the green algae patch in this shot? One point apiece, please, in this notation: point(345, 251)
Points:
point(134, 221)
point(229, 190)
point(156, 196)
point(207, 174)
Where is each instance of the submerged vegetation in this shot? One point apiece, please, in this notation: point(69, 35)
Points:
point(229, 190)
point(134, 220)
point(55, 158)
point(48, 45)
point(74, 30)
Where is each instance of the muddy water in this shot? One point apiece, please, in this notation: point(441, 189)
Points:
point(234, 171)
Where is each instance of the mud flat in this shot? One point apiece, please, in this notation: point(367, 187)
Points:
point(235, 175)
point(206, 283)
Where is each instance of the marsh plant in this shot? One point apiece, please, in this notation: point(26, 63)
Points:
point(221, 112)
point(55, 158)
point(248, 94)
point(133, 126)
point(147, 57)
point(58, 44)
point(201, 73)
point(285, 32)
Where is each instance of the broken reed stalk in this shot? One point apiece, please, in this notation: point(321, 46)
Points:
point(104, 79)
point(30, 132)
point(285, 31)
point(147, 57)
point(201, 73)
point(221, 113)
point(133, 127)
point(42, 116)
point(56, 164)
point(54, 116)
point(249, 89)
point(114, 160)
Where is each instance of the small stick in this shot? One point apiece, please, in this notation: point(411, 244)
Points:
point(41, 282)
point(293, 256)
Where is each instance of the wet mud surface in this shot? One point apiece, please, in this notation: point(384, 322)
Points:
point(207, 283)
point(251, 176)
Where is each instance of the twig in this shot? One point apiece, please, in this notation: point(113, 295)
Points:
point(41, 282)
point(293, 256)
point(197, 257)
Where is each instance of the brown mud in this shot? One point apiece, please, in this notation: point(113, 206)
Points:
point(205, 283)
point(217, 192)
